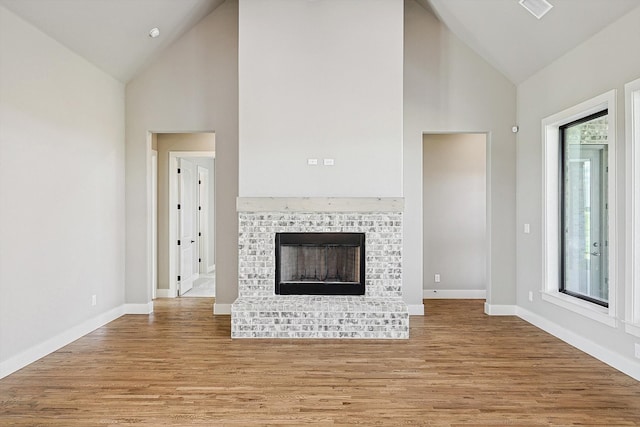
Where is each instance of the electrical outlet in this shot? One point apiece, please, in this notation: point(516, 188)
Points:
point(312, 162)
point(329, 162)
point(530, 296)
point(527, 229)
point(638, 351)
point(94, 300)
point(436, 278)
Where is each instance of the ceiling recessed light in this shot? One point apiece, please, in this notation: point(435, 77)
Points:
point(537, 8)
point(155, 32)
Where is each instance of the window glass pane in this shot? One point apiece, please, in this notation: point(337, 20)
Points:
point(584, 213)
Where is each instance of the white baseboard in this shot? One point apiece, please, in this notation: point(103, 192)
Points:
point(166, 293)
point(221, 308)
point(615, 360)
point(454, 294)
point(38, 351)
point(139, 308)
point(416, 309)
point(211, 268)
point(500, 310)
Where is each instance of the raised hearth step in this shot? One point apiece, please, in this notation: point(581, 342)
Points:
point(313, 316)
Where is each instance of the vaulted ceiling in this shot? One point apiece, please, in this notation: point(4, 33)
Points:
point(514, 41)
point(113, 34)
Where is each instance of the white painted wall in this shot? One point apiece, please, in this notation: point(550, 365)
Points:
point(320, 79)
point(449, 88)
point(454, 215)
point(606, 61)
point(61, 191)
point(191, 87)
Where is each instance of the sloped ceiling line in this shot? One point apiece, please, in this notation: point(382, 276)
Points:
point(113, 34)
point(516, 43)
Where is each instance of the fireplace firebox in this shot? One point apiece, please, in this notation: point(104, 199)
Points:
point(320, 263)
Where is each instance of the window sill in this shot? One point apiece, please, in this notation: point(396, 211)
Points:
point(632, 329)
point(584, 308)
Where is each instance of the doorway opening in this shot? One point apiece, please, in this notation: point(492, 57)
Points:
point(185, 249)
point(455, 220)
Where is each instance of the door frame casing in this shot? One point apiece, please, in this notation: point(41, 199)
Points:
point(154, 224)
point(173, 213)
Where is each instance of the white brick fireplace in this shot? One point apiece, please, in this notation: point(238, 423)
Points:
point(379, 313)
point(320, 151)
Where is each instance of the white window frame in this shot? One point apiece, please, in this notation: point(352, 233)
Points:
point(551, 250)
point(632, 128)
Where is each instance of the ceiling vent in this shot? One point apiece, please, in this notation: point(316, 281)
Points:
point(538, 8)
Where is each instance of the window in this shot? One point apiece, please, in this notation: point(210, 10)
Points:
point(632, 155)
point(579, 249)
point(584, 210)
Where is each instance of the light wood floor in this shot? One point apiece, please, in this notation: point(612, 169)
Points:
point(179, 367)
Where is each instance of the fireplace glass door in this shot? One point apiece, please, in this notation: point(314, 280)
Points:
point(320, 263)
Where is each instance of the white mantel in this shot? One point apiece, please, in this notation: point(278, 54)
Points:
point(320, 204)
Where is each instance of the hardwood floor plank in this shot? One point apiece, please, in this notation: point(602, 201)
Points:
point(180, 367)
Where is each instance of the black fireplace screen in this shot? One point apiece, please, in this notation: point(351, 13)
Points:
point(320, 263)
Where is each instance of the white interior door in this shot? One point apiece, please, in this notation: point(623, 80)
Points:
point(187, 229)
point(203, 219)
